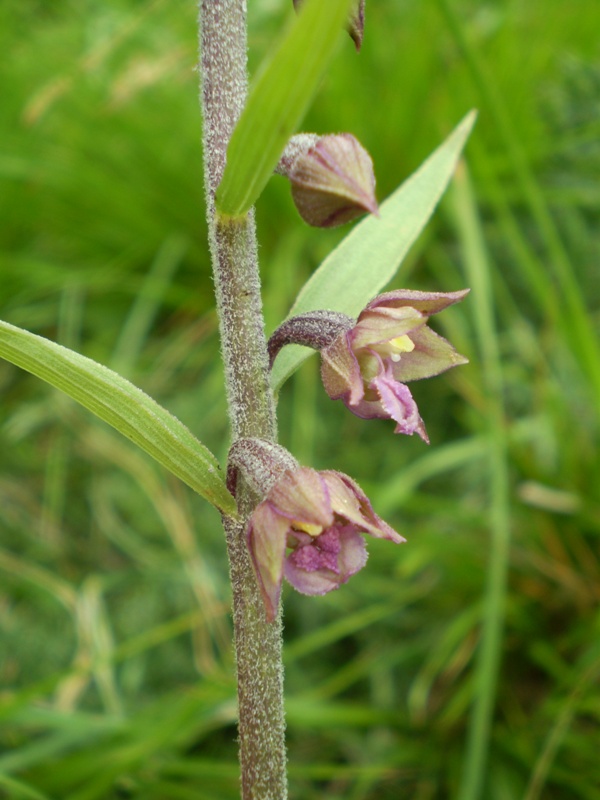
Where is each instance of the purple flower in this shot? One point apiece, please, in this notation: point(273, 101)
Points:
point(308, 529)
point(368, 366)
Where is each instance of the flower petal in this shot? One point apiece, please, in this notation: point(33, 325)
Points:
point(378, 325)
point(387, 398)
point(399, 404)
point(319, 552)
point(427, 303)
point(267, 543)
point(318, 581)
point(350, 502)
point(302, 496)
point(432, 355)
point(340, 371)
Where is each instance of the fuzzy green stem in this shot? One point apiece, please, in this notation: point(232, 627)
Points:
point(250, 401)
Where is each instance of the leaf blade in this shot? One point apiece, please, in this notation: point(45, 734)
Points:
point(123, 406)
point(342, 283)
point(278, 99)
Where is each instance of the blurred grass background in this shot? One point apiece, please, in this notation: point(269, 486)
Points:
point(116, 671)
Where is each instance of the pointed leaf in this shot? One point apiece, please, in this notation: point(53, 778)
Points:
point(118, 402)
point(369, 257)
point(279, 97)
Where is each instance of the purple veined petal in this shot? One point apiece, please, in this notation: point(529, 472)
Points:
point(353, 555)
point(385, 400)
point(318, 553)
point(318, 579)
point(400, 406)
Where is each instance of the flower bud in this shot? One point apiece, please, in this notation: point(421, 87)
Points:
point(332, 178)
point(356, 22)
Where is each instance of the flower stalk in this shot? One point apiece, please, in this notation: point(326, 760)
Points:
point(222, 26)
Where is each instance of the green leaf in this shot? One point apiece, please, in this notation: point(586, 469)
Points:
point(118, 402)
point(19, 790)
point(369, 257)
point(278, 99)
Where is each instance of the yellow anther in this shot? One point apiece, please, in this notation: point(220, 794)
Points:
point(307, 527)
point(399, 345)
point(402, 344)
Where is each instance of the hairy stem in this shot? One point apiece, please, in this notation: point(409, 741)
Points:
point(250, 401)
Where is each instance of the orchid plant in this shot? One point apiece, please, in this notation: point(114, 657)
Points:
point(283, 520)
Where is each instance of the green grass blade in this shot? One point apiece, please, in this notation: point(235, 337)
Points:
point(279, 97)
point(478, 270)
point(20, 791)
point(578, 326)
point(118, 402)
point(146, 303)
point(369, 257)
point(559, 729)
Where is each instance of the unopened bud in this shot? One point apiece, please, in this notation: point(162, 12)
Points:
point(356, 21)
point(332, 180)
point(356, 24)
